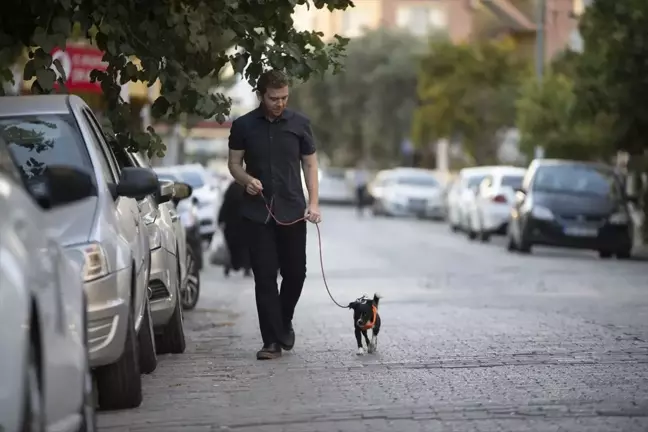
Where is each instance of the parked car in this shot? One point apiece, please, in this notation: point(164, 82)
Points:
point(408, 192)
point(571, 204)
point(463, 194)
point(168, 254)
point(204, 190)
point(45, 379)
point(490, 211)
point(188, 218)
point(104, 233)
point(335, 187)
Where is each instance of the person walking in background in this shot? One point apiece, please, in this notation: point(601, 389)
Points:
point(233, 229)
point(361, 180)
point(275, 143)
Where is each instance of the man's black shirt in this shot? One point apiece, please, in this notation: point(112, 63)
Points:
point(273, 153)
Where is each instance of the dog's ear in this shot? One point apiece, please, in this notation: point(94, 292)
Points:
point(353, 305)
point(376, 298)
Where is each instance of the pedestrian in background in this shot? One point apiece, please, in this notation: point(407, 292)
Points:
point(275, 144)
point(361, 180)
point(233, 228)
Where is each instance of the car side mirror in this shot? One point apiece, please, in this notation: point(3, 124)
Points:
point(137, 183)
point(63, 185)
point(182, 191)
point(165, 194)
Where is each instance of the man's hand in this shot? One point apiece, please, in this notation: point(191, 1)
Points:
point(253, 187)
point(313, 214)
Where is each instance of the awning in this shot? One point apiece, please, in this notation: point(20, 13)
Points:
point(510, 15)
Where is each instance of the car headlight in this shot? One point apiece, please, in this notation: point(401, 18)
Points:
point(619, 218)
point(155, 236)
point(92, 258)
point(540, 212)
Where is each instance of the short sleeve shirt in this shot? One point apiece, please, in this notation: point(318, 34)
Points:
point(273, 154)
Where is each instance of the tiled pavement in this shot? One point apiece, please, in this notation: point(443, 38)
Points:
point(474, 339)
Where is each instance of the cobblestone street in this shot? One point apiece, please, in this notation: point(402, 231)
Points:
point(473, 339)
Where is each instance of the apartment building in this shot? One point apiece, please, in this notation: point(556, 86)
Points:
point(459, 20)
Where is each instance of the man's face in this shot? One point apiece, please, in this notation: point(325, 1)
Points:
point(275, 100)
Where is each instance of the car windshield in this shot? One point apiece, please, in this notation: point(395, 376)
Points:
point(577, 179)
point(514, 182)
point(193, 178)
point(420, 180)
point(37, 142)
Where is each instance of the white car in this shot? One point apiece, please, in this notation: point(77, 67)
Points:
point(334, 187)
point(205, 191)
point(492, 205)
point(407, 192)
point(45, 378)
point(462, 195)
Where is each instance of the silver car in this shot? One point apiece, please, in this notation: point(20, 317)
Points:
point(168, 255)
point(45, 380)
point(104, 233)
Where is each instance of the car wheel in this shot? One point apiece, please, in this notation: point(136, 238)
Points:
point(171, 338)
point(626, 254)
point(605, 254)
point(119, 385)
point(146, 338)
point(525, 246)
point(472, 235)
point(484, 236)
point(191, 291)
point(33, 416)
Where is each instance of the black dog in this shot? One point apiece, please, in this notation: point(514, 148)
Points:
point(366, 317)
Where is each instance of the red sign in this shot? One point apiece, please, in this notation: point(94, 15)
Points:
point(78, 61)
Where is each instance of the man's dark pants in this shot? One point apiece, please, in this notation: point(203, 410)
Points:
point(275, 248)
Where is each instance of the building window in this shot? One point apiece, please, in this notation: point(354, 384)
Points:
point(354, 23)
point(422, 20)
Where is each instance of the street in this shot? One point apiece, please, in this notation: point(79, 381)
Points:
point(473, 339)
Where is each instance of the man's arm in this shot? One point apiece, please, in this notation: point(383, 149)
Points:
point(236, 152)
point(309, 164)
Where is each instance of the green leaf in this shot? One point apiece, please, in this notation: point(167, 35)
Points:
point(160, 107)
point(46, 79)
point(60, 70)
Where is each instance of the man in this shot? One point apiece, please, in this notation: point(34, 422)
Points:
point(361, 179)
point(274, 141)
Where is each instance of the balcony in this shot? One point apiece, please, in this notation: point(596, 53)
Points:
point(511, 15)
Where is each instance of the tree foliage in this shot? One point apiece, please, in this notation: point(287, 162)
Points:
point(468, 91)
point(179, 42)
point(367, 110)
point(546, 117)
point(612, 73)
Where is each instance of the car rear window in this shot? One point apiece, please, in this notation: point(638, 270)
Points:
point(39, 141)
point(428, 181)
point(514, 182)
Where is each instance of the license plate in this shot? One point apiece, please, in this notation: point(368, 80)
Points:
point(581, 231)
point(417, 204)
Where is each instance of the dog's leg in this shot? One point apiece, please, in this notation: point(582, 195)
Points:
point(358, 336)
point(366, 338)
point(373, 345)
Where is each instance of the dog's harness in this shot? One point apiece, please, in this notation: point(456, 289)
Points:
point(371, 323)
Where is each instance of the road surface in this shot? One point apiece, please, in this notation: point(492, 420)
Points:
point(473, 339)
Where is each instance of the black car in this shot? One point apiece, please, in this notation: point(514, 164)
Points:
point(571, 204)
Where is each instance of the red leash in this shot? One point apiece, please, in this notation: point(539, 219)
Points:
point(319, 241)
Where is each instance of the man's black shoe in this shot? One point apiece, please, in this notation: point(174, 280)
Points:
point(269, 352)
point(289, 339)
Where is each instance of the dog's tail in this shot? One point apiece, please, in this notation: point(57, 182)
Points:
point(376, 299)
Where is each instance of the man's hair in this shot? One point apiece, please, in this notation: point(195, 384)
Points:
point(274, 79)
